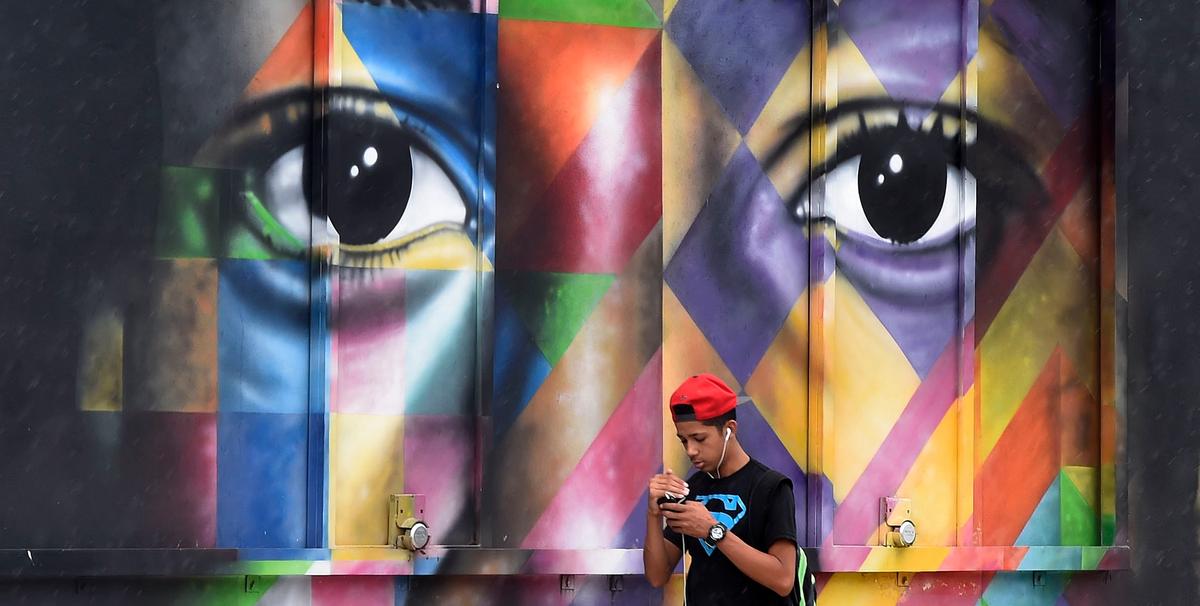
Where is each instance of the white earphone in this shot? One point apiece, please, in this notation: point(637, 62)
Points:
point(724, 445)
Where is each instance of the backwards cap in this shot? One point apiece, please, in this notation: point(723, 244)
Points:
point(701, 398)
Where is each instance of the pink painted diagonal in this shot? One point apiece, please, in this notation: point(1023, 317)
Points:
point(857, 515)
point(612, 474)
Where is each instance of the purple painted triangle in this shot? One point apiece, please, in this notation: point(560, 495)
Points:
point(742, 265)
point(921, 331)
point(913, 292)
point(740, 50)
point(913, 47)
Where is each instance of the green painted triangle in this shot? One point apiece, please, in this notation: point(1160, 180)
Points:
point(554, 306)
point(1079, 520)
point(628, 13)
point(1086, 480)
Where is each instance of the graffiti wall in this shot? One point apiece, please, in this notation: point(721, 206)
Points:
point(301, 256)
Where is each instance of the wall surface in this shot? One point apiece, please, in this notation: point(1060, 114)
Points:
point(268, 263)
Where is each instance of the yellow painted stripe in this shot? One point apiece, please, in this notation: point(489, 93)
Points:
point(779, 385)
point(366, 465)
point(862, 589)
point(869, 383)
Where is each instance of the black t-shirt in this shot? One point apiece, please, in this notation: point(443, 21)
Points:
point(757, 505)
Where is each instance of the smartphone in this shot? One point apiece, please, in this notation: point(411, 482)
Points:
point(671, 498)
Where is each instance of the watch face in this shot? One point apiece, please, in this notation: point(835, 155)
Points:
point(716, 533)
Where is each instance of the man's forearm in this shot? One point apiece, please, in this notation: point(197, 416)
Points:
point(655, 560)
point(763, 568)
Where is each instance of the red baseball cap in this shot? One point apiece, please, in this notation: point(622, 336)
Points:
point(700, 398)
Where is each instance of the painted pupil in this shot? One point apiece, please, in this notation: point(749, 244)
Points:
point(370, 180)
point(902, 184)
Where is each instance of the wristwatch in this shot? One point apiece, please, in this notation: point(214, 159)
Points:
point(717, 532)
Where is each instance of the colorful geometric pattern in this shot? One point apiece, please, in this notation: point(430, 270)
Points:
point(629, 172)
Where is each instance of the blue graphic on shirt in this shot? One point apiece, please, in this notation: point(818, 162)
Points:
point(729, 511)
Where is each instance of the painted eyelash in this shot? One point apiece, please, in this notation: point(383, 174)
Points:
point(933, 126)
point(379, 256)
point(295, 107)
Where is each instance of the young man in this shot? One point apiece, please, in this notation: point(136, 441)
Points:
point(738, 519)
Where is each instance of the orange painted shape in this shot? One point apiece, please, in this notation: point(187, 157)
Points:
point(555, 79)
point(322, 41)
point(1025, 459)
point(290, 63)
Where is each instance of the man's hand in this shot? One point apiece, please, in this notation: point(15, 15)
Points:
point(691, 518)
point(663, 483)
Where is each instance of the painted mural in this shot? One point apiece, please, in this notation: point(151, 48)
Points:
point(465, 249)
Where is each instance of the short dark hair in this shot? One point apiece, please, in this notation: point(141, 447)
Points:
point(686, 409)
point(720, 421)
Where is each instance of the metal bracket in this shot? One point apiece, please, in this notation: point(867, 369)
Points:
point(616, 583)
point(402, 507)
point(252, 584)
point(896, 528)
point(1039, 579)
point(903, 579)
point(566, 582)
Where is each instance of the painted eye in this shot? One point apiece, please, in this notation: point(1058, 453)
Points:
point(897, 186)
point(387, 179)
point(382, 189)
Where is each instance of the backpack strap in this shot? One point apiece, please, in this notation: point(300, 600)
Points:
point(804, 589)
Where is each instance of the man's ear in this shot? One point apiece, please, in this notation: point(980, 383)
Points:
point(732, 426)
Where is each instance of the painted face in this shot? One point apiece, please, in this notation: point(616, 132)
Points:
point(353, 221)
point(702, 443)
point(916, 181)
